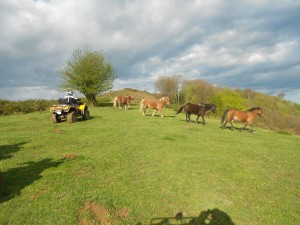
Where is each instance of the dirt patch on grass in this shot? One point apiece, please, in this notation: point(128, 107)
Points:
point(93, 213)
point(57, 131)
point(39, 193)
point(70, 156)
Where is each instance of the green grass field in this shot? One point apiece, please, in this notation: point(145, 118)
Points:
point(122, 168)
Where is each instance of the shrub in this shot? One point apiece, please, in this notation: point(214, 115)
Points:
point(27, 106)
point(226, 99)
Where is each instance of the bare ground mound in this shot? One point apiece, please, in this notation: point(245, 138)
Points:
point(92, 213)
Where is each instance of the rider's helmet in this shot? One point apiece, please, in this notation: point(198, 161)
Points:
point(70, 93)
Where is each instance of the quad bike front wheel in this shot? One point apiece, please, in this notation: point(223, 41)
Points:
point(71, 117)
point(55, 118)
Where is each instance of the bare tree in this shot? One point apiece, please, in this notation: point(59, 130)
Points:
point(169, 86)
point(281, 95)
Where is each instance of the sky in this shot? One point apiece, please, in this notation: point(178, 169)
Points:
point(230, 43)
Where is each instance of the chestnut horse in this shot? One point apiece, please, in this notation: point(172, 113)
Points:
point(123, 100)
point(198, 110)
point(154, 104)
point(246, 117)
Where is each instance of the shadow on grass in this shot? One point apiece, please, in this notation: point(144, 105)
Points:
point(158, 115)
point(79, 120)
point(237, 128)
point(14, 180)
point(6, 151)
point(104, 104)
point(110, 104)
point(208, 217)
point(193, 121)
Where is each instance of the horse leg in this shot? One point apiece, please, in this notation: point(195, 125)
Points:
point(120, 106)
point(153, 114)
point(232, 127)
point(161, 114)
point(186, 117)
point(203, 120)
point(144, 111)
point(251, 128)
point(189, 116)
point(126, 107)
point(224, 124)
point(197, 119)
point(244, 127)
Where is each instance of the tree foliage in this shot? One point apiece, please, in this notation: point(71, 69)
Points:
point(88, 72)
point(197, 91)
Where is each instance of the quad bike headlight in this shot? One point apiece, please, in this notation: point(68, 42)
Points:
point(66, 108)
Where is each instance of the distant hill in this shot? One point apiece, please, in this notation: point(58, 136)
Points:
point(138, 94)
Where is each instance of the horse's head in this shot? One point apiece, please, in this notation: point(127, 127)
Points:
point(259, 111)
point(213, 108)
point(165, 100)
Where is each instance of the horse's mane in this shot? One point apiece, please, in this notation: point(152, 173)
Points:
point(206, 104)
point(163, 98)
point(254, 108)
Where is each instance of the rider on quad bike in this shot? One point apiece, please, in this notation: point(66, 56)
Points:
point(69, 107)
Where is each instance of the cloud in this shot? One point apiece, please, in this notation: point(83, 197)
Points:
point(246, 44)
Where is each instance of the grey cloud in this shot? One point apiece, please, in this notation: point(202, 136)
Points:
point(247, 44)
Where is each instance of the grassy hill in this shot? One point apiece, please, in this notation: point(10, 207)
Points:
point(281, 115)
point(122, 168)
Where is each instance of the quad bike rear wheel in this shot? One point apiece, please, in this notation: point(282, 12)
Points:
point(86, 114)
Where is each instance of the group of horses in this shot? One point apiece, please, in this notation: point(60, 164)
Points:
point(145, 103)
point(246, 117)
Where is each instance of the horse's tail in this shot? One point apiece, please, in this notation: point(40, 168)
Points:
point(224, 117)
point(115, 101)
point(180, 109)
point(142, 105)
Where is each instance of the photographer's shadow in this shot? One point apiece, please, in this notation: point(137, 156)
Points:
point(206, 217)
point(14, 180)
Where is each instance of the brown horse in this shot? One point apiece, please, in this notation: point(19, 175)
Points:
point(123, 100)
point(198, 110)
point(154, 104)
point(246, 117)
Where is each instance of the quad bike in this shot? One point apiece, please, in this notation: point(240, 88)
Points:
point(69, 111)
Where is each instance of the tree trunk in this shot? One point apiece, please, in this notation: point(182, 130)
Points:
point(94, 100)
point(91, 98)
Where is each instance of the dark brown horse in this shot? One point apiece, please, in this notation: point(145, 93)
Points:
point(246, 117)
point(123, 100)
point(154, 104)
point(198, 110)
